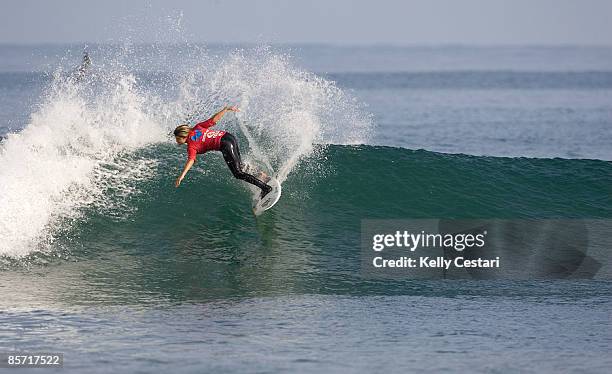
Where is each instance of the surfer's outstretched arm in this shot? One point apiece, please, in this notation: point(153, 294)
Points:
point(217, 116)
point(188, 166)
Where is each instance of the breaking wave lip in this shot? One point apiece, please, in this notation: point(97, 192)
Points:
point(77, 149)
point(61, 160)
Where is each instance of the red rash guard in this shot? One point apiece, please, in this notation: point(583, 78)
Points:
point(201, 139)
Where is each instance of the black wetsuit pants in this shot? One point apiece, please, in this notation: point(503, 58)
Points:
point(231, 155)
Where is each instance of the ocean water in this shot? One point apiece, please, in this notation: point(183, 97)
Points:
point(102, 259)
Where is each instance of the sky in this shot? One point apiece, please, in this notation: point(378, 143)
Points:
point(430, 22)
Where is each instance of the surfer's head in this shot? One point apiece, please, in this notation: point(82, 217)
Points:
point(181, 133)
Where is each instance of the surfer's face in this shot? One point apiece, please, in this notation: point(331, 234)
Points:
point(180, 140)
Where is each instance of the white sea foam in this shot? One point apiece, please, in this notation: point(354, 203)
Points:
point(59, 162)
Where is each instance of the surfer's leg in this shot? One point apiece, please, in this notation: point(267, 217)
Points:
point(262, 175)
point(246, 168)
point(231, 155)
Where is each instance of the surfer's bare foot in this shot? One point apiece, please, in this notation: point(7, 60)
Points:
point(265, 191)
point(264, 177)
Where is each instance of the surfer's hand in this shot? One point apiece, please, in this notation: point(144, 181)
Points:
point(178, 182)
point(232, 108)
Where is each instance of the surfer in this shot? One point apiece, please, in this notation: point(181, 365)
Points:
point(201, 139)
point(80, 72)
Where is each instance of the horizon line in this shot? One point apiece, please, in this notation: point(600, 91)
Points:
point(314, 43)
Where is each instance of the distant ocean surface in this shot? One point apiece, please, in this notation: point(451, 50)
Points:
point(101, 258)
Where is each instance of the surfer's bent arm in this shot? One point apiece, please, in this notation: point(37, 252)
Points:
point(188, 166)
point(217, 116)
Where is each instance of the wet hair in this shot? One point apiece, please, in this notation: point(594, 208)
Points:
point(182, 131)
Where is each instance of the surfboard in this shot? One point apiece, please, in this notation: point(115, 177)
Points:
point(261, 205)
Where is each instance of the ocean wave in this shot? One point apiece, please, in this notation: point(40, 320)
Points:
point(74, 154)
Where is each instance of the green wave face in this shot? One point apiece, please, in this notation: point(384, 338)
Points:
point(202, 240)
point(328, 195)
